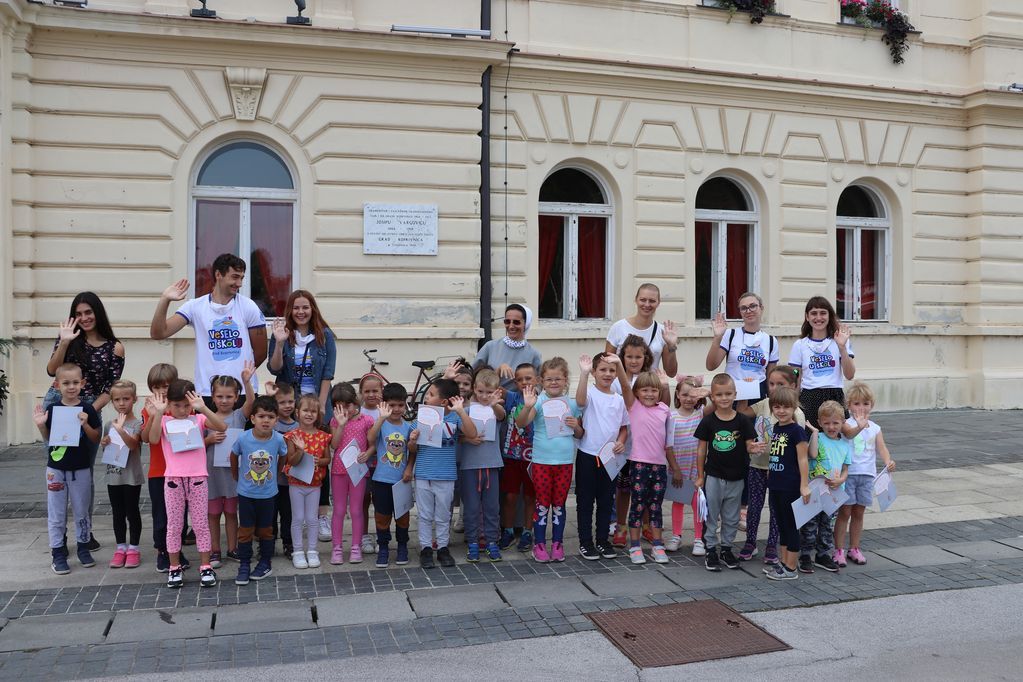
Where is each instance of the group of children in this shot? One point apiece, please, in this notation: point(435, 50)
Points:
point(620, 410)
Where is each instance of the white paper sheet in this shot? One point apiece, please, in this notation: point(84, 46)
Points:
point(683, 494)
point(431, 427)
point(305, 469)
point(485, 420)
point(830, 499)
point(349, 457)
point(702, 505)
point(222, 450)
point(806, 511)
point(747, 390)
point(65, 429)
point(184, 435)
point(116, 452)
point(555, 411)
point(887, 493)
point(403, 498)
point(611, 462)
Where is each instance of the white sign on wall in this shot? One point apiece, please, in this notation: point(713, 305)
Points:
point(399, 229)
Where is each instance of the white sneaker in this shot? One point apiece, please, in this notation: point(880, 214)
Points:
point(368, 546)
point(636, 555)
point(312, 558)
point(324, 534)
point(673, 544)
point(699, 549)
point(298, 560)
point(458, 523)
point(658, 555)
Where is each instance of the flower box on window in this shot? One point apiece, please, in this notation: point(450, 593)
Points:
point(882, 14)
point(757, 9)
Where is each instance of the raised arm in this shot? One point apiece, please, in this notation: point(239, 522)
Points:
point(277, 343)
point(213, 421)
point(716, 354)
point(585, 365)
point(842, 339)
point(468, 425)
point(155, 407)
point(525, 415)
point(130, 441)
point(623, 381)
point(68, 332)
point(162, 326)
point(250, 397)
point(669, 361)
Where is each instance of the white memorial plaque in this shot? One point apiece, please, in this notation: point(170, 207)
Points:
point(399, 229)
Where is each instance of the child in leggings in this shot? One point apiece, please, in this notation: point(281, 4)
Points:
point(789, 479)
point(306, 441)
point(124, 484)
point(689, 397)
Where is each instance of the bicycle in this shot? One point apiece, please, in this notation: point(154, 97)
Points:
point(424, 379)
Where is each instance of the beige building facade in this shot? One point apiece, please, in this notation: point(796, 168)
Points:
point(629, 141)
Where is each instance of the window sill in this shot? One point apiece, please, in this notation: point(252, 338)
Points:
point(771, 15)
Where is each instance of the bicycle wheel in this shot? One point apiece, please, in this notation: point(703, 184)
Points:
point(414, 401)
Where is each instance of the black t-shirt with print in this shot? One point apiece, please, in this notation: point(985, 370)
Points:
point(727, 457)
point(783, 470)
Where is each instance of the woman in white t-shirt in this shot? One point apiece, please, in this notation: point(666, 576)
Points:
point(661, 338)
point(824, 356)
point(750, 353)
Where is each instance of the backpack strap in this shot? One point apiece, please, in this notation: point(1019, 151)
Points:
point(653, 334)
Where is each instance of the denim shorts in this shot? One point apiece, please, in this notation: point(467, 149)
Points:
point(860, 488)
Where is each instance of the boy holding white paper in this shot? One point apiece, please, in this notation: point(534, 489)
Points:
point(787, 481)
point(122, 453)
point(436, 468)
point(396, 447)
point(605, 420)
point(480, 466)
point(830, 461)
point(65, 427)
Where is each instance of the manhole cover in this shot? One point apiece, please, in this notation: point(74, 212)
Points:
point(656, 636)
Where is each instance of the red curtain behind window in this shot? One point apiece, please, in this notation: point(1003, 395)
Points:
point(703, 272)
point(869, 292)
point(592, 266)
point(736, 268)
point(216, 232)
point(843, 304)
point(551, 233)
point(271, 259)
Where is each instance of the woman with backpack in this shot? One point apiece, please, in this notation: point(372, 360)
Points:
point(750, 352)
point(661, 338)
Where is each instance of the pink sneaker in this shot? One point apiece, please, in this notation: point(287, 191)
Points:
point(557, 551)
point(337, 557)
point(540, 553)
point(355, 556)
point(840, 558)
point(132, 559)
point(856, 556)
point(117, 561)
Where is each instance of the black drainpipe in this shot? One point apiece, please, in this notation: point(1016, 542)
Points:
point(486, 275)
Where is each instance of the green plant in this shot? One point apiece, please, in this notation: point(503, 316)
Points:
point(880, 13)
point(758, 9)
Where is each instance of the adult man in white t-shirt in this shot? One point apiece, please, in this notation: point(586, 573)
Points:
point(229, 328)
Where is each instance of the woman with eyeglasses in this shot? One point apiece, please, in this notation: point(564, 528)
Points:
point(507, 353)
point(750, 353)
point(661, 338)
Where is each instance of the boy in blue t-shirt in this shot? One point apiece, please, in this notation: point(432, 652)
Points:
point(396, 455)
point(831, 460)
point(255, 465)
point(436, 471)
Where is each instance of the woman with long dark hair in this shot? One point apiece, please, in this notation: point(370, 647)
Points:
point(303, 352)
point(86, 339)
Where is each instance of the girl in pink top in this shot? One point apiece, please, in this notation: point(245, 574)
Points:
point(348, 426)
point(185, 476)
point(689, 398)
point(650, 423)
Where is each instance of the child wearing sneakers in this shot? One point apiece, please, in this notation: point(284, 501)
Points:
point(68, 472)
point(553, 456)
point(306, 441)
point(349, 426)
point(726, 440)
point(831, 460)
point(788, 480)
point(517, 452)
point(867, 445)
point(223, 491)
point(479, 468)
point(605, 419)
point(690, 395)
point(124, 484)
point(159, 378)
point(396, 447)
point(284, 394)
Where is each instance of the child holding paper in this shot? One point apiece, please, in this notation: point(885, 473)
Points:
point(284, 394)
point(371, 388)
point(831, 461)
point(517, 452)
point(690, 395)
point(436, 468)
point(223, 490)
point(186, 478)
point(553, 454)
point(860, 484)
point(124, 483)
point(307, 441)
point(605, 420)
point(69, 455)
point(348, 427)
point(480, 467)
point(462, 374)
point(159, 378)
point(788, 480)
point(726, 440)
point(396, 447)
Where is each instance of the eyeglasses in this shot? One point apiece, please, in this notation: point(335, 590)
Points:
point(512, 322)
point(748, 308)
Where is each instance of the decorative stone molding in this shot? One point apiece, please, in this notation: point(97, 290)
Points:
point(246, 84)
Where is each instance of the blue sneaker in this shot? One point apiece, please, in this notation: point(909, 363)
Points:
point(525, 541)
point(243, 574)
point(383, 556)
point(494, 552)
point(185, 563)
point(474, 552)
point(59, 561)
point(262, 570)
point(401, 556)
point(84, 557)
point(507, 538)
point(162, 562)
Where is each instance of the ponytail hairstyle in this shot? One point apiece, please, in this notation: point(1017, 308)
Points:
point(225, 380)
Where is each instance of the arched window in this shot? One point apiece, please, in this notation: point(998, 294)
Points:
point(726, 245)
point(244, 202)
point(863, 260)
point(575, 228)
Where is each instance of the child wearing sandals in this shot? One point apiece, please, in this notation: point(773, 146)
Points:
point(867, 445)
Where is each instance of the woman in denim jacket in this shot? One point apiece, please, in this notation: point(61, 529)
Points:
point(302, 349)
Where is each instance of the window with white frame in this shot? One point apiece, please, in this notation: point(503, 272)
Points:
point(863, 244)
point(575, 230)
point(244, 202)
point(726, 247)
